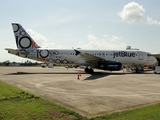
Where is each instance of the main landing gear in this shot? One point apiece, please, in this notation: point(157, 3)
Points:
point(139, 70)
point(89, 70)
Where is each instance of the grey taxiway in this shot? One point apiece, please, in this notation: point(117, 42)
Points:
point(91, 95)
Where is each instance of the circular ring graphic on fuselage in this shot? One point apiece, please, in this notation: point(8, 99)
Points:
point(65, 61)
point(25, 42)
point(58, 61)
point(51, 60)
point(44, 53)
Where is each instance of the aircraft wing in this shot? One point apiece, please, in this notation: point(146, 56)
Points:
point(16, 51)
point(91, 59)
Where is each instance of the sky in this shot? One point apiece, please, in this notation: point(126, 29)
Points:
point(85, 24)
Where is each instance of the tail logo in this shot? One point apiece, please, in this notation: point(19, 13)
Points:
point(23, 40)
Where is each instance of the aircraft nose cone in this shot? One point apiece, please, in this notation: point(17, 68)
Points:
point(154, 60)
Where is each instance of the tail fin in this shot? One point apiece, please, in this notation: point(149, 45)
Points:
point(23, 40)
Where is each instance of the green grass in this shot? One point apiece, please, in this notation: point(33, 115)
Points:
point(16, 104)
point(151, 112)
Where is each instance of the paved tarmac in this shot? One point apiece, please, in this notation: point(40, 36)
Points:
point(91, 95)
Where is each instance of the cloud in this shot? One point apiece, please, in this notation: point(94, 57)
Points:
point(133, 12)
point(36, 36)
point(44, 43)
point(104, 43)
point(114, 38)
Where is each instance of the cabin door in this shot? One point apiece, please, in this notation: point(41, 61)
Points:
point(140, 55)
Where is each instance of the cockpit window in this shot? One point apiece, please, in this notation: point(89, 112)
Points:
point(148, 54)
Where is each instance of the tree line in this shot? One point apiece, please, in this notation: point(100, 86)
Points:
point(26, 63)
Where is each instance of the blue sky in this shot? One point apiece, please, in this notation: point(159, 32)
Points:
point(88, 24)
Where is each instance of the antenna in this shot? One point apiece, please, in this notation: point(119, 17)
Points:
point(129, 48)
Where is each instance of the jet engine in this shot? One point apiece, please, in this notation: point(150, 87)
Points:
point(113, 66)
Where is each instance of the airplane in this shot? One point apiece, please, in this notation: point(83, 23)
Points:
point(112, 60)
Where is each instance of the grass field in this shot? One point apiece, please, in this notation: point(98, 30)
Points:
point(151, 112)
point(16, 104)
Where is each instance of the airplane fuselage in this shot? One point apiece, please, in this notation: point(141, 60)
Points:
point(66, 56)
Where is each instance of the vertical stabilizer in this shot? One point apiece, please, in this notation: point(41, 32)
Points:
point(23, 40)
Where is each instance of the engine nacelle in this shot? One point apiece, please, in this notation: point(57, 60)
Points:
point(113, 66)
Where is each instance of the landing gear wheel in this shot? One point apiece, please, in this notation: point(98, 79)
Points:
point(87, 70)
point(91, 71)
point(139, 70)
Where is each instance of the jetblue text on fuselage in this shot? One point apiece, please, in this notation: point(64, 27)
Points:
point(123, 54)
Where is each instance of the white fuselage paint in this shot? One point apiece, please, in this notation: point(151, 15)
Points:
point(66, 56)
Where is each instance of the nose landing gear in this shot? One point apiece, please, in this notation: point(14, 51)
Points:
point(137, 69)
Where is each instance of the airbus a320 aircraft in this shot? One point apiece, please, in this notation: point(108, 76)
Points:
point(112, 60)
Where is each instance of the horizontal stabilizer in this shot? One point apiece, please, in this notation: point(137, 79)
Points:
point(16, 51)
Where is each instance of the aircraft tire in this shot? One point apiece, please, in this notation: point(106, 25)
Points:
point(86, 70)
point(91, 71)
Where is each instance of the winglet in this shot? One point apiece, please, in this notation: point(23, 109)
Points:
point(77, 52)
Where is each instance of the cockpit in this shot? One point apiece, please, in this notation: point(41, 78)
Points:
point(149, 54)
point(151, 58)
